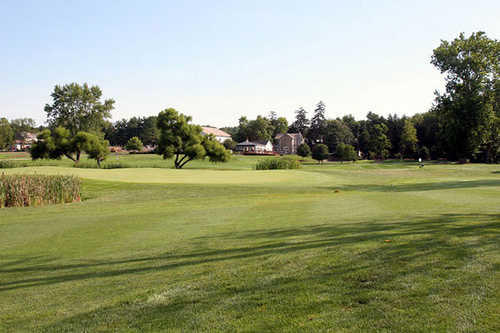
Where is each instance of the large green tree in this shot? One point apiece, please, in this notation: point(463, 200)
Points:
point(467, 108)
point(78, 108)
point(6, 134)
point(320, 152)
point(318, 129)
point(53, 144)
point(184, 141)
point(301, 123)
point(408, 142)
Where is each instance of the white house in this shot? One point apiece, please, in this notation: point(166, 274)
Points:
point(220, 135)
point(257, 147)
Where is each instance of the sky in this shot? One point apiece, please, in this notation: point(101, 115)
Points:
point(219, 60)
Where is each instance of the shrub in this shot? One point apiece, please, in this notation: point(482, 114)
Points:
point(424, 153)
point(346, 152)
point(278, 163)
point(230, 144)
point(134, 143)
point(37, 190)
point(320, 152)
point(304, 150)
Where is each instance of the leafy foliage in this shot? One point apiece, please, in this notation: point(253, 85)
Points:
point(345, 152)
point(134, 143)
point(304, 150)
point(57, 143)
point(468, 110)
point(184, 141)
point(6, 133)
point(320, 152)
point(78, 108)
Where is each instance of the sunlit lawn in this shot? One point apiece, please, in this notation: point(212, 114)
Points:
point(362, 247)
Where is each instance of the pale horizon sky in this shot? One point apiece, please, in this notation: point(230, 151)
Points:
point(219, 60)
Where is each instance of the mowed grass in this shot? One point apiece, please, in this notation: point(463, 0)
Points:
point(362, 247)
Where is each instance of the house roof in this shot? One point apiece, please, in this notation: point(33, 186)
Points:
point(293, 135)
point(252, 143)
point(214, 131)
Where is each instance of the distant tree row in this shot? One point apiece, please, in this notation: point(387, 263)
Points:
point(144, 128)
point(463, 124)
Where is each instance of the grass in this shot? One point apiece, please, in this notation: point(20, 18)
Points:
point(364, 247)
point(37, 190)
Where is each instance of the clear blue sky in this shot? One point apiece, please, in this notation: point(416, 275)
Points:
point(218, 60)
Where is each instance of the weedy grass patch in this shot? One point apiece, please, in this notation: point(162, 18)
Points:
point(278, 163)
point(37, 190)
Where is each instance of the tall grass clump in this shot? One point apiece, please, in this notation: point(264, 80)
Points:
point(9, 164)
point(37, 190)
point(104, 165)
point(278, 163)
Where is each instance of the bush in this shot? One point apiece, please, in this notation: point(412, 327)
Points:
point(230, 144)
point(278, 163)
point(134, 143)
point(320, 152)
point(346, 152)
point(37, 190)
point(424, 153)
point(304, 150)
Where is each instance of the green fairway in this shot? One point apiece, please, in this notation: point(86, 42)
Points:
point(364, 247)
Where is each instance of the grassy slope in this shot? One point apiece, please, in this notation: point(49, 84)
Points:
point(296, 251)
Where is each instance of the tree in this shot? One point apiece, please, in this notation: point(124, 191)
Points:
point(337, 132)
point(467, 108)
point(318, 130)
point(183, 140)
point(230, 144)
point(260, 129)
point(78, 108)
point(379, 142)
point(279, 125)
point(134, 143)
point(304, 150)
point(409, 139)
point(320, 152)
point(301, 123)
point(6, 134)
point(53, 144)
point(345, 152)
point(21, 125)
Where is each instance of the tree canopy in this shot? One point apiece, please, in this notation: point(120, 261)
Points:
point(6, 133)
point(468, 109)
point(78, 108)
point(320, 152)
point(53, 144)
point(183, 140)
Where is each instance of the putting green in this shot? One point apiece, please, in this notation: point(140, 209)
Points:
point(187, 176)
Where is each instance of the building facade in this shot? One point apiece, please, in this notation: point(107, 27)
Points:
point(288, 143)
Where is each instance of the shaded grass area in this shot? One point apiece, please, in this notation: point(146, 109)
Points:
point(390, 251)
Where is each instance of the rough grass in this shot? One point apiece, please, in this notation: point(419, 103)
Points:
point(334, 248)
point(37, 190)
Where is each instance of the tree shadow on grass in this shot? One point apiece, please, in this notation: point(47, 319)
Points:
point(277, 242)
point(426, 247)
point(453, 185)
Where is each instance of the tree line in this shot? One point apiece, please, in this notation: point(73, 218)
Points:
point(463, 123)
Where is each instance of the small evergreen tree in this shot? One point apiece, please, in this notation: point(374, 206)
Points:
point(134, 143)
point(320, 152)
point(304, 150)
